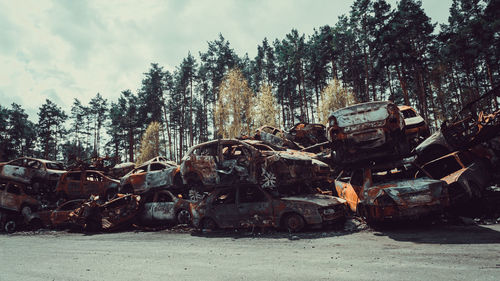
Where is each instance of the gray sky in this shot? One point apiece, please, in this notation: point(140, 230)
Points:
point(63, 50)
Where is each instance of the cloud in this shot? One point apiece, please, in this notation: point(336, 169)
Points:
point(63, 50)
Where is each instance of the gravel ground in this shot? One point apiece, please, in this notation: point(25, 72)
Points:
point(428, 252)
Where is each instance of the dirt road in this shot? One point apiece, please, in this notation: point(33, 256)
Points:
point(443, 252)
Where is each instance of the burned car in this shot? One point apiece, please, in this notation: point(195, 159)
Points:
point(416, 129)
point(112, 215)
point(155, 173)
point(119, 170)
point(59, 218)
point(367, 131)
point(390, 193)
point(466, 175)
point(82, 184)
point(17, 205)
point(307, 134)
point(42, 175)
point(249, 206)
point(470, 127)
point(275, 137)
point(161, 207)
point(227, 162)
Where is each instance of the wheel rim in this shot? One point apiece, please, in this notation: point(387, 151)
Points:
point(26, 211)
point(195, 195)
point(294, 223)
point(10, 226)
point(269, 179)
point(183, 217)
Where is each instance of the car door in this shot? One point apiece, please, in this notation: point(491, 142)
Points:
point(254, 207)
point(223, 208)
point(350, 188)
point(162, 209)
point(34, 169)
point(158, 175)
point(11, 198)
point(3, 190)
point(203, 161)
point(92, 183)
point(138, 178)
point(73, 181)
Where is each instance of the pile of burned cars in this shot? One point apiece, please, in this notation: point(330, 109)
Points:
point(381, 179)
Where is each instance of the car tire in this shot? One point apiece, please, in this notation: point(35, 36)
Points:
point(183, 217)
point(293, 222)
point(10, 226)
point(208, 224)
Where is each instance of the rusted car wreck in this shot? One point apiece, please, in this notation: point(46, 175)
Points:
point(250, 206)
point(226, 162)
point(367, 131)
point(390, 193)
point(155, 173)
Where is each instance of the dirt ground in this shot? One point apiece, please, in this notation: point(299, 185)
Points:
point(428, 252)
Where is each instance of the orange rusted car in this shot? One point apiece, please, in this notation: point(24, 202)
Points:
point(367, 131)
point(248, 206)
point(82, 184)
point(388, 193)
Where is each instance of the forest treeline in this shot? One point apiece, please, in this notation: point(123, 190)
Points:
point(375, 52)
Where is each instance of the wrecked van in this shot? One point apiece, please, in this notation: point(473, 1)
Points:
point(249, 206)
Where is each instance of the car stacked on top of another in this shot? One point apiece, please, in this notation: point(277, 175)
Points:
point(154, 173)
point(228, 162)
point(83, 184)
point(40, 174)
point(416, 129)
point(366, 132)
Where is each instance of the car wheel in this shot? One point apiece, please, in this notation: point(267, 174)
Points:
point(26, 211)
point(208, 224)
point(183, 217)
point(293, 222)
point(10, 226)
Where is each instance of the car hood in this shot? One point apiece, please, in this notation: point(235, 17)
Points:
point(436, 138)
point(318, 199)
point(407, 192)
